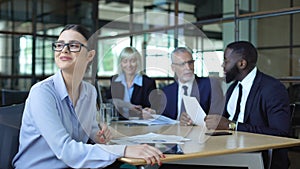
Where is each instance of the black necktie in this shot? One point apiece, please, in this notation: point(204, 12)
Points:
point(185, 93)
point(238, 104)
point(185, 90)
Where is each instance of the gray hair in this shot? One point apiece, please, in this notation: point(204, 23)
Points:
point(180, 50)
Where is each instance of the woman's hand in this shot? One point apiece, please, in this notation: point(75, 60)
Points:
point(151, 154)
point(147, 113)
point(104, 136)
point(136, 108)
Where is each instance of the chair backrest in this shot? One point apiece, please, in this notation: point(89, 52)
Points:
point(292, 110)
point(294, 93)
point(293, 120)
point(10, 97)
point(10, 122)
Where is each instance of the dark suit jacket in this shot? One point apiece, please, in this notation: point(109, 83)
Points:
point(266, 112)
point(201, 90)
point(140, 95)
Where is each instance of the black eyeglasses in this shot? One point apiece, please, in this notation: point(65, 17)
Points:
point(72, 46)
point(190, 62)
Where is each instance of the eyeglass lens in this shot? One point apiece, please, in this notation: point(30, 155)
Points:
point(73, 47)
point(187, 62)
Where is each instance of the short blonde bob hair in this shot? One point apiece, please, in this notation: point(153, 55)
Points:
point(130, 52)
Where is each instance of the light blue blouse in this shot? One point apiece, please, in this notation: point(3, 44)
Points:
point(138, 80)
point(54, 133)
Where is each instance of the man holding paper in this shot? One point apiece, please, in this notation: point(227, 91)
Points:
point(255, 102)
point(187, 83)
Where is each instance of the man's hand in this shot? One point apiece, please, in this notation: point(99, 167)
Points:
point(185, 119)
point(216, 122)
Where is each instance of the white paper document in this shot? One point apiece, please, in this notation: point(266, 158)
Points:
point(155, 120)
point(151, 138)
point(194, 110)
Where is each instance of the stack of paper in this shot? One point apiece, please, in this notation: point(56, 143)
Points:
point(151, 138)
point(194, 110)
point(155, 120)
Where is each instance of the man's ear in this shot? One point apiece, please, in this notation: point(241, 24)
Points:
point(242, 64)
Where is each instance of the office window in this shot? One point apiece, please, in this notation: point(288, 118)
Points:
point(25, 55)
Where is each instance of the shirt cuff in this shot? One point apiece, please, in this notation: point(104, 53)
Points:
point(117, 150)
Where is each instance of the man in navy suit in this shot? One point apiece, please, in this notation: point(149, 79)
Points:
point(183, 67)
point(263, 104)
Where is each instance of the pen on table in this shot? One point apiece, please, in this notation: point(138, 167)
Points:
point(101, 129)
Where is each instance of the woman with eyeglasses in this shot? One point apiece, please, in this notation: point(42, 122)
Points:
point(131, 88)
point(59, 119)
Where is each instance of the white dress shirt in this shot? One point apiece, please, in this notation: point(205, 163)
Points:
point(247, 84)
point(189, 84)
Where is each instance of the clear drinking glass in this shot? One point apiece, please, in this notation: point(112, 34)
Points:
point(108, 113)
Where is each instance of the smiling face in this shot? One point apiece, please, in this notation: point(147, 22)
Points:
point(66, 60)
point(182, 66)
point(129, 65)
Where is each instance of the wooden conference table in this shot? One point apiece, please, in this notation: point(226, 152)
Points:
point(206, 147)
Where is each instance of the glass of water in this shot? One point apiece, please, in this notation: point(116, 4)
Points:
point(108, 113)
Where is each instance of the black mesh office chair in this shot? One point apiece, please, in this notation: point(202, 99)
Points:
point(10, 97)
point(10, 121)
point(295, 119)
point(294, 94)
point(270, 151)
